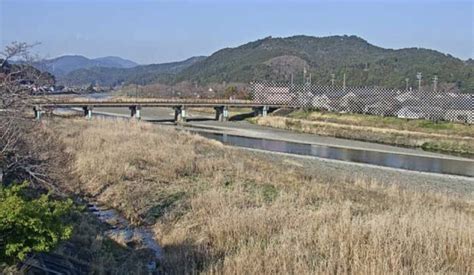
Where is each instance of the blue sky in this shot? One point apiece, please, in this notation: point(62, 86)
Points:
point(161, 31)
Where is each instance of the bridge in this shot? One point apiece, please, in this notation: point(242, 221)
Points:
point(180, 106)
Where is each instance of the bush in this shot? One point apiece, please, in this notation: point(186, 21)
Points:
point(30, 224)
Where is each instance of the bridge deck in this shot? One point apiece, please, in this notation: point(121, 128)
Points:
point(55, 103)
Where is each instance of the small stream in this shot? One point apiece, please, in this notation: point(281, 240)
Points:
point(124, 233)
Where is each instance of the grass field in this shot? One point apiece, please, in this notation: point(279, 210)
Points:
point(441, 136)
point(217, 209)
point(416, 125)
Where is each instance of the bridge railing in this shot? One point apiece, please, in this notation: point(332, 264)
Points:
point(130, 100)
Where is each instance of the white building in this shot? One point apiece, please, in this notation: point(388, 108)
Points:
point(464, 116)
point(321, 102)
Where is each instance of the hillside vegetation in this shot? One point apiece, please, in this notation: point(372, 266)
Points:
point(144, 74)
point(62, 65)
point(217, 209)
point(276, 59)
point(25, 74)
point(364, 64)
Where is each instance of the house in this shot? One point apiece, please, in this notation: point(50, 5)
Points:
point(303, 98)
point(406, 97)
point(321, 101)
point(464, 116)
point(334, 100)
point(382, 108)
point(410, 113)
point(461, 110)
point(421, 112)
point(272, 94)
point(358, 98)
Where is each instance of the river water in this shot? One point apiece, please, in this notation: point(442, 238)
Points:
point(440, 165)
point(432, 164)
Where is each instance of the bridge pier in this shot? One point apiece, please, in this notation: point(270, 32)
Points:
point(180, 114)
point(261, 111)
point(135, 112)
point(38, 112)
point(222, 113)
point(87, 112)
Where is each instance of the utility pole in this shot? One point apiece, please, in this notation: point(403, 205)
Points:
point(310, 78)
point(419, 76)
point(407, 80)
point(291, 78)
point(333, 78)
point(344, 82)
point(304, 75)
point(136, 93)
point(435, 83)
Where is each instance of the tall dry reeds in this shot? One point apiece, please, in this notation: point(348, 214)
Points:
point(217, 209)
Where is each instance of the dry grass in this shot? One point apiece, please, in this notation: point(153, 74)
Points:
point(413, 125)
point(217, 209)
point(387, 135)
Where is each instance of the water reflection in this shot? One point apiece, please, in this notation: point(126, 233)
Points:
point(408, 162)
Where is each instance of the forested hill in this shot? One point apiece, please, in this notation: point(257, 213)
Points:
point(25, 74)
point(62, 65)
point(278, 59)
point(143, 74)
point(363, 63)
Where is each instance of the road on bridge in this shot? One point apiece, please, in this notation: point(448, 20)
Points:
point(180, 106)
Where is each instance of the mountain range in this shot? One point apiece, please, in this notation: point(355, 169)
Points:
point(65, 64)
point(142, 74)
point(282, 59)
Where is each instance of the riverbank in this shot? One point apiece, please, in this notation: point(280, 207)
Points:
point(219, 209)
point(443, 136)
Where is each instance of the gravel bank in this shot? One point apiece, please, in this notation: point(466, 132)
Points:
point(327, 170)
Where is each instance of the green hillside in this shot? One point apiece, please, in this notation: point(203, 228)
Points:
point(65, 64)
point(364, 64)
point(143, 74)
point(278, 59)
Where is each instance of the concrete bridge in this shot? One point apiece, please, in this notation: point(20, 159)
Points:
point(180, 106)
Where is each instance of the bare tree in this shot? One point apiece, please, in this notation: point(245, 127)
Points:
point(22, 155)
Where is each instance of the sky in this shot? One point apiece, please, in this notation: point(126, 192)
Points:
point(154, 31)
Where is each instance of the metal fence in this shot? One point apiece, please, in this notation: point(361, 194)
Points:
point(408, 104)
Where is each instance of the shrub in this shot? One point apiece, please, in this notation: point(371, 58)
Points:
point(30, 224)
